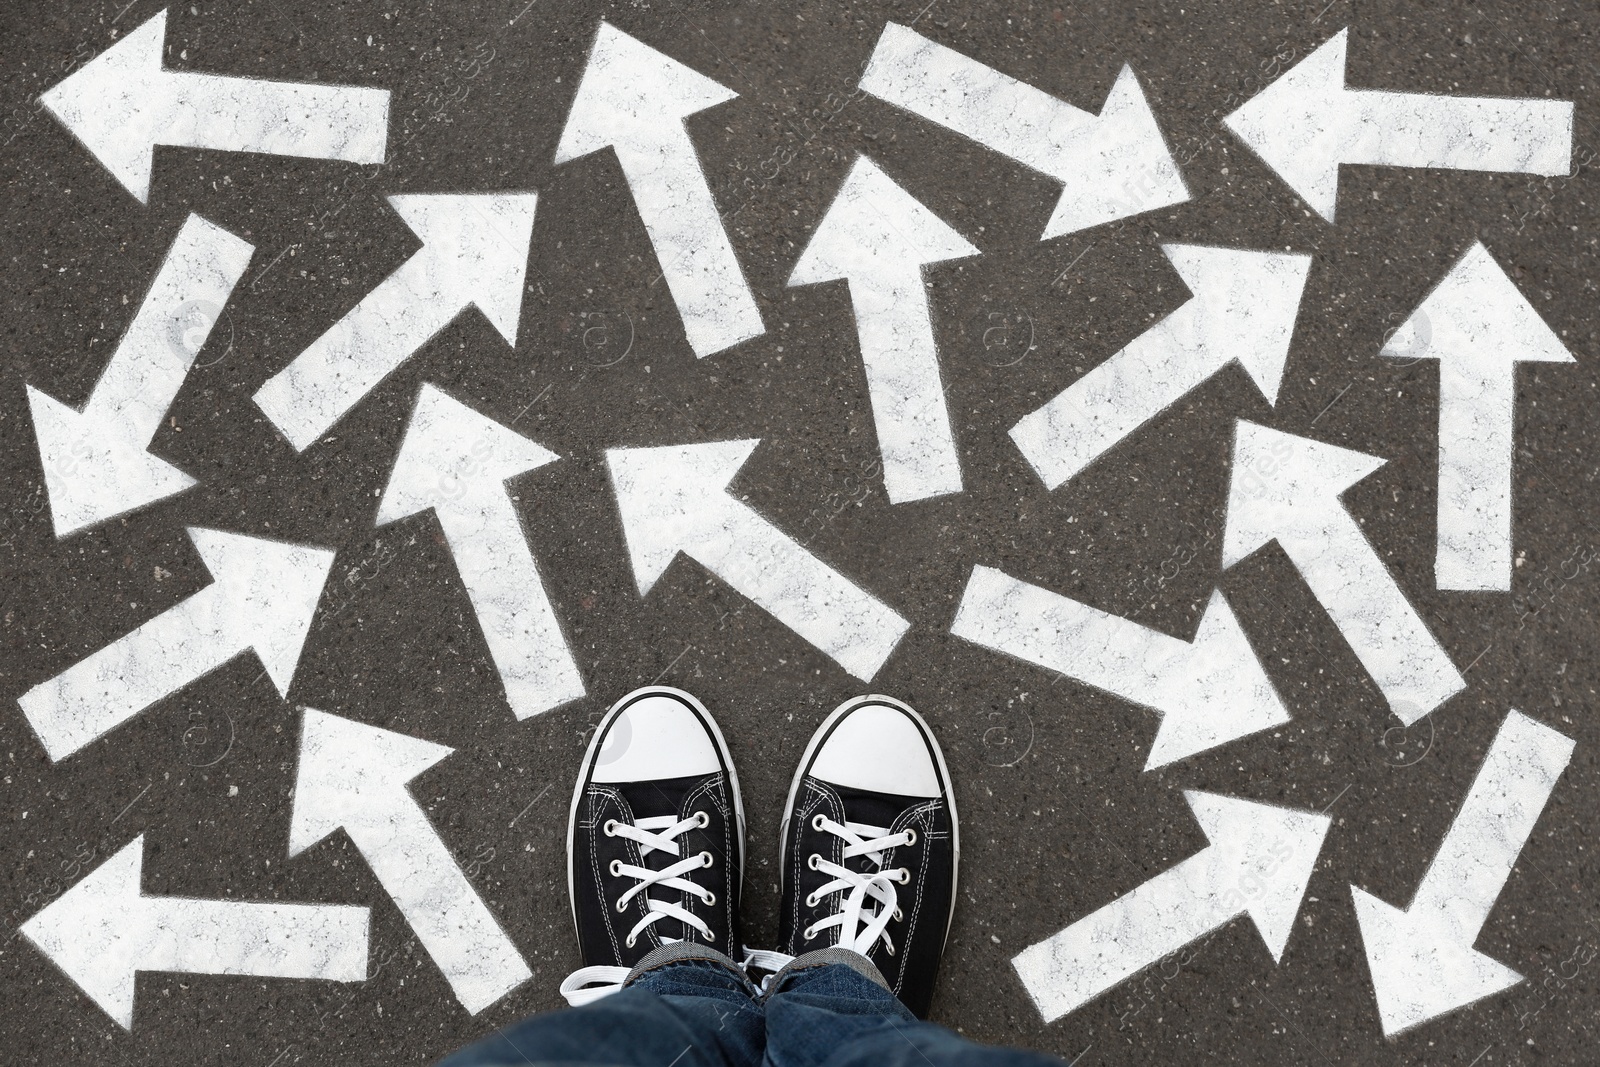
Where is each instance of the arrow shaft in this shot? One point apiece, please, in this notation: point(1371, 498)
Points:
point(228, 114)
point(508, 595)
point(669, 187)
point(1456, 132)
point(908, 402)
point(111, 686)
point(1477, 416)
point(844, 621)
point(267, 940)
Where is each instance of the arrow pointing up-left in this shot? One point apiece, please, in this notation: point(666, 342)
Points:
point(263, 598)
point(95, 461)
point(123, 103)
point(103, 931)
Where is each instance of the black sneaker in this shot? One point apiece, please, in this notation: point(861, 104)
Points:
point(655, 845)
point(870, 846)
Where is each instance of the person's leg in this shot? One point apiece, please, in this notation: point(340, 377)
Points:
point(683, 1004)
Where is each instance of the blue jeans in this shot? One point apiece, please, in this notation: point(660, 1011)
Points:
point(703, 1012)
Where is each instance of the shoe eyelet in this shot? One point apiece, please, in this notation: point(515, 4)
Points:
point(816, 821)
point(622, 907)
point(630, 941)
point(888, 947)
point(610, 828)
point(904, 874)
point(616, 868)
point(899, 916)
point(813, 861)
point(706, 859)
point(712, 936)
point(808, 934)
point(911, 837)
point(811, 901)
point(710, 900)
point(702, 819)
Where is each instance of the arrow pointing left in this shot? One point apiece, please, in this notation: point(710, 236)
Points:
point(455, 462)
point(95, 461)
point(1422, 960)
point(1479, 327)
point(354, 777)
point(103, 931)
point(122, 104)
point(263, 598)
point(878, 238)
point(1258, 863)
point(474, 253)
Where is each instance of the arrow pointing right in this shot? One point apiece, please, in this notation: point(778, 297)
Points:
point(455, 462)
point(354, 777)
point(263, 597)
point(474, 252)
point(1207, 693)
point(1479, 327)
point(1422, 960)
point(1286, 489)
point(103, 931)
point(1242, 311)
point(1259, 863)
point(878, 237)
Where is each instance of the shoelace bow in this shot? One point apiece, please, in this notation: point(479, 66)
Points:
point(657, 833)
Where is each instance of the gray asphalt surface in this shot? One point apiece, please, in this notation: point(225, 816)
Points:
point(1058, 817)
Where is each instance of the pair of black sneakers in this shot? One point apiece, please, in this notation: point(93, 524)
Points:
point(655, 845)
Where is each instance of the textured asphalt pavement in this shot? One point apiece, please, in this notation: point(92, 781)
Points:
point(1058, 816)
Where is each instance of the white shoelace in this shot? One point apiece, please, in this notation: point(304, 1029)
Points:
point(658, 833)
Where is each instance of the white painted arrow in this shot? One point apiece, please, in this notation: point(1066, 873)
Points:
point(263, 598)
point(1422, 960)
point(1305, 124)
point(878, 238)
point(455, 461)
point(1112, 167)
point(1207, 692)
point(95, 461)
point(635, 99)
point(1286, 489)
point(1479, 327)
point(354, 777)
point(1242, 310)
point(103, 931)
point(675, 499)
point(474, 252)
point(122, 104)
point(1259, 863)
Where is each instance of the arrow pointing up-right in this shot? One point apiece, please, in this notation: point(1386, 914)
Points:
point(1479, 327)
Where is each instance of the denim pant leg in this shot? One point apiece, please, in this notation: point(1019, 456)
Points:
point(688, 1012)
point(823, 1010)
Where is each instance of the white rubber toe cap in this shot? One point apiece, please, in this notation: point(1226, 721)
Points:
point(655, 737)
point(881, 749)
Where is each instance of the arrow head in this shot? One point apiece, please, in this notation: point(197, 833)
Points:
point(1297, 125)
point(1476, 315)
point(632, 95)
point(477, 248)
point(669, 496)
point(1220, 693)
point(1264, 854)
point(112, 104)
point(1279, 480)
point(1419, 971)
point(452, 453)
point(1244, 307)
point(875, 227)
point(91, 472)
point(352, 774)
point(83, 931)
point(270, 591)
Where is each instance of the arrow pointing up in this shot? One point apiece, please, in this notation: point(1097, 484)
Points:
point(1207, 693)
point(1286, 489)
point(1242, 310)
point(1259, 863)
point(122, 104)
point(455, 462)
point(1422, 960)
point(1307, 123)
point(675, 499)
point(263, 598)
point(635, 99)
point(103, 931)
point(1479, 327)
point(95, 461)
point(878, 238)
point(1112, 167)
point(474, 252)
point(354, 777)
